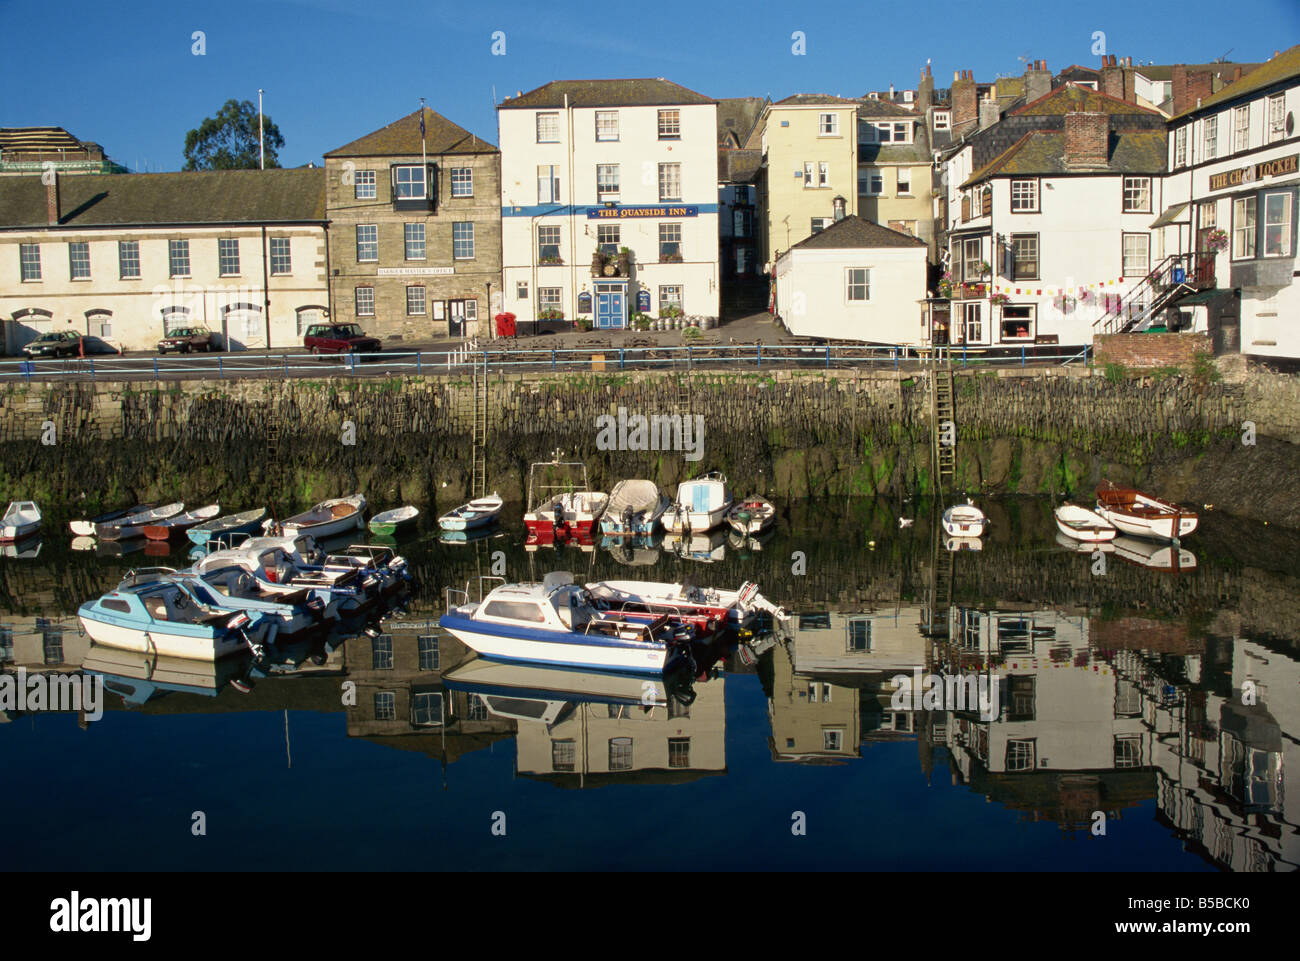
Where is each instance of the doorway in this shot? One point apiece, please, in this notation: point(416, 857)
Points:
point(611, 305)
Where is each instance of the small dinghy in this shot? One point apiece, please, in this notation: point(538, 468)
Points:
point(1082, 524)
point(225, 529)
point(133, 525)
point(21, 520)
point(751, 515)
point(165, 529)
point(478, 513)
point(964, 520)
point(86, 528)
point(390, 522)
point(1142, 515)
point(334, 516)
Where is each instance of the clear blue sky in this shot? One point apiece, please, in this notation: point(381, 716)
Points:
point(124, 74)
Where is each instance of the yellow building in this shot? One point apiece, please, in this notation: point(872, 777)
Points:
point(894, 170)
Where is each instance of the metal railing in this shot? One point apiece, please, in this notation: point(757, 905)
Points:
point(523, 360)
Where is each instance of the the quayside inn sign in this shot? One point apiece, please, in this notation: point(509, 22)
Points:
point(621, 213)
point(1247, 175)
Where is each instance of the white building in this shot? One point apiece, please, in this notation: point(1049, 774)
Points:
point(593, 168)
point(854, 280)
point(1230, 204)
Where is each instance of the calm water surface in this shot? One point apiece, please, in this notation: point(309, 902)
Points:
point(1121, 705)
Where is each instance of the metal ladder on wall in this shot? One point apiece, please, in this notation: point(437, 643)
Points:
point(272, 436)
point(943, 409)
point(684, 394)
point(478, 432)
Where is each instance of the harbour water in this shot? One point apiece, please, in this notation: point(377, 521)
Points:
point(1145, 716)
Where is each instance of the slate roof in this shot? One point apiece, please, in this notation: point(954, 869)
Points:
point(1042, 152)
point(1285, 66)
point(916, 152)
point(402, 138)
point(736, 119)
point(853, 232)
point(196, 197)
point(644, 92)
point(813, 99)
point(868, 108)
point(739, 166)
point(1073, 99)
point(1165, 71)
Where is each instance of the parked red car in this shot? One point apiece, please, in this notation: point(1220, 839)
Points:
point(183, 340)
point(339, 339)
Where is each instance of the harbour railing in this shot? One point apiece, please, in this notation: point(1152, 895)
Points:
point(524, 360)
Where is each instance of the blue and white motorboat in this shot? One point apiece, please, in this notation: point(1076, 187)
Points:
point(701, 505)
point(153, 612)
point(294, 610)
point(635, 507)
point(555, 622)
point(480, 512)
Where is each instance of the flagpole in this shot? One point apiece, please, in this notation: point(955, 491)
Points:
point(261, 149)
point(424, 156)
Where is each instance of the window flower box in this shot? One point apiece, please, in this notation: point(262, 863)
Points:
point(550, 261)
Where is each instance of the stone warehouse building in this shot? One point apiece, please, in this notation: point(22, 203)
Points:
point(124, 258)
point(415, 223)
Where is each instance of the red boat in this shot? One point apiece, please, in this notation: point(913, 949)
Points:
point(559, 511)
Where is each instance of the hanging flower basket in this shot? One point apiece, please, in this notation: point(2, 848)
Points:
point(1000, 299)
point(1216, 241)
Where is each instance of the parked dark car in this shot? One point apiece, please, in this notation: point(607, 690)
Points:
point(55, 343)
point(183, 340)
point(339, 339)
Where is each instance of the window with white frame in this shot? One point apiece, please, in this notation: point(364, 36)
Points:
point(521, 290)
point(863, 182)
point(607, 238)
point(1024, 257)
point(1276, 117)
point(79, 260)
point(462, 240)
point(679, 752)
point(895, 132)
point(875, 183)
point(385, 705)
point(972, 250)
point(1017, 321)
point(365, 184)
point(365, 301)
point(904, 182)
point(1180, 146)
point(606, 124)
point(367, 243)
point(281, 256)
point(128, 259)
point(178, 257)
point(670, 295)
point(823, 174)
point(1277, 224)
point(670, 124)
point(462, 181)
point(1210, 137)
point(1209, 214)
point(670, 182)
point(426, 708)
point(548, 184)
point(1022, 754)
point(228, 256)
point(1137, 255)
point(820, 223)
point(809, 174)
point(563, 754)
point(413, 241)
point(548, 128)
point(428, 654)
point(858, 634)
point(857, 285)
point(411, 182)
point(942, 120)
point(670, 241)
point(973, 318)
point(828, 125)
point(548, 243)
point(1243, 228)
point(607, 181)
point(1241, 128)
point(833, 739)
point(1137, 195)
point(1024, 196)
point(620, 754)
point(548, 298)
point(742, 223)
point(415, 300)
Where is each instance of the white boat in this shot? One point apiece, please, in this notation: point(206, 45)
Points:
point(701, 505)
point(736, 608)
point(1142, 515)
point(390, 522)
point(133, 525)
point(182, 522)
point(554, 622)
point(1085, 547)
point(479, 512)
point(328, 518)
point(751, 515)
point(1082, 524)
point(22, 519)
point(86, 528)
point(964, 520)
point(558, 508)
point(635, 507)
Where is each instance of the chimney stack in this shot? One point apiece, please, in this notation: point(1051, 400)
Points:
point(1038, 82)
point(52, 200)
point(990, 112)
point(1189, 87)
point(965, 109)
point(1087, 141)
point(925, 90)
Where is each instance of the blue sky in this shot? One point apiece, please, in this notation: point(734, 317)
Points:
point(124, 75)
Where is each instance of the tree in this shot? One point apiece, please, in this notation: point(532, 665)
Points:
point(228, 141)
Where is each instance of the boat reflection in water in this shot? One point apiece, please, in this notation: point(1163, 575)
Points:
point(1156, 555)
point(633, 550)
point(138, 677)
point(706, 547)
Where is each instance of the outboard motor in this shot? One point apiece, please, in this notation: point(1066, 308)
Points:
point(628, 514)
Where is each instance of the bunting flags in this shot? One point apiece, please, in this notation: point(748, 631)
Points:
point(1082, 291)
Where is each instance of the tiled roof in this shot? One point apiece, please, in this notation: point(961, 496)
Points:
point(1165, 71)
point(854, 232)
point(644, 92)
point(1074, 99)
point(196, 197)
point(868, 108)
point(1043, 152)
point(402, 138)
point(1285, 66)
point(814, 99)
point(736, 119)
point(739, 166)
point(37, 138)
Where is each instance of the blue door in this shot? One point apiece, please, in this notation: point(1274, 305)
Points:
point(609, 305)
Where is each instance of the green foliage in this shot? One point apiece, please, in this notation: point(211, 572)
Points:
point(1116, 373)
point(1204, 369)
point(228, 141)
